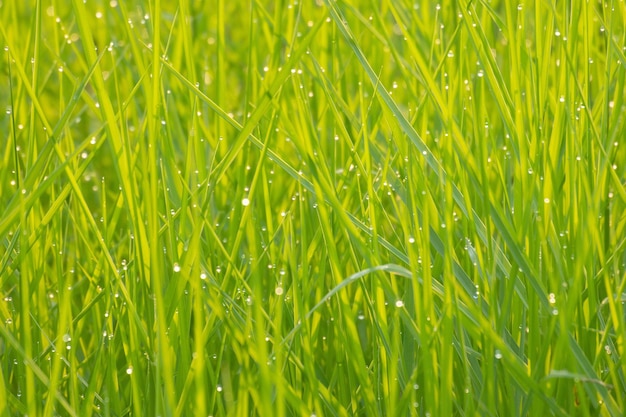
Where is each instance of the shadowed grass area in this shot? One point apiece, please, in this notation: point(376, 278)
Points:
point(300, 208)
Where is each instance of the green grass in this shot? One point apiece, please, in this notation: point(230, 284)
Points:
point(300, 208)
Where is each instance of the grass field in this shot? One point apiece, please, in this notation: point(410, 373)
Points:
point(312, 208)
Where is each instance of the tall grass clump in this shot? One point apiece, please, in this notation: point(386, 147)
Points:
point(299, 208)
